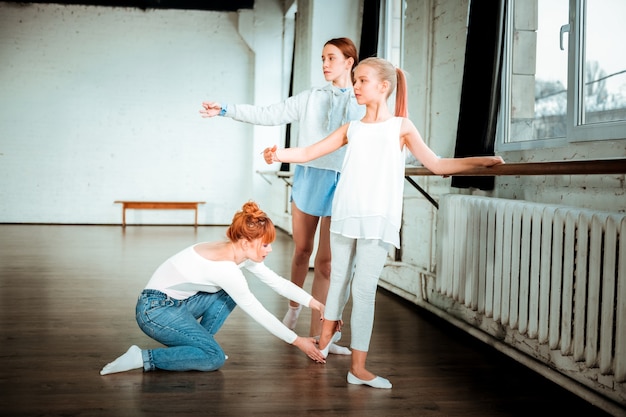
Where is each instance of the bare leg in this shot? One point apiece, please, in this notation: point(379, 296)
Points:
point(329, 327)
point(304, 228)
point(357, 366)
point(321, 274)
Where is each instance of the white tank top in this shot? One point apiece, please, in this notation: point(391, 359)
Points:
point(368, 199)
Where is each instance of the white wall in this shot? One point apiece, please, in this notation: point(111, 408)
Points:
point(100, 104)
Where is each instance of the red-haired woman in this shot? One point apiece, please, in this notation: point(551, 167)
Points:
point(191, 294)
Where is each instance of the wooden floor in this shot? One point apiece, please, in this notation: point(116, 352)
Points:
point(67, 298)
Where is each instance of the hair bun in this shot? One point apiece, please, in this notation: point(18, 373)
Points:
point(250, 207)
point(251, 223)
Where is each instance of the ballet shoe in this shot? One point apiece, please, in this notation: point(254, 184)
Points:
point(333, 339)
point(377, 382)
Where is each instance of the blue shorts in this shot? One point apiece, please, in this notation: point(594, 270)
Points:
point(313, 190)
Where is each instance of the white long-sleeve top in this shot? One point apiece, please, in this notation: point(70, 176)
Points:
point(318, 112)
point(186, 273)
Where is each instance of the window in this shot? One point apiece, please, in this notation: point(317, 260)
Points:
point(564, 74)
point(391, 31)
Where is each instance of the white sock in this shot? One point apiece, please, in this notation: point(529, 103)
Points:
point(339, 350)
point(132, 359)
point(291, 318)
point(330, 344)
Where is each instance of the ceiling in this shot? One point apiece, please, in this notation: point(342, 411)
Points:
point(209, 5)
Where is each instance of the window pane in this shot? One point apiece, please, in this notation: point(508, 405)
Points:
point(604, 71)
point(539, 70)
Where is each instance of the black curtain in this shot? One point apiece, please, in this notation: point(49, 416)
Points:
point(284, 166)
point(369, 29)
point(480, 93)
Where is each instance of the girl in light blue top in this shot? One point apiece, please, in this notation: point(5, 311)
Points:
point(318, 111)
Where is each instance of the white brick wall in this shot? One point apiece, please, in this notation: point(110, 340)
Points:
point(100, 104)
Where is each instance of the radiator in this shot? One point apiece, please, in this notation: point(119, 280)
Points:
point(555, 275)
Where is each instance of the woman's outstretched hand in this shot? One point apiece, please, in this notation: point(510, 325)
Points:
point(269, 154)
point(210, 109)
point(309, 346)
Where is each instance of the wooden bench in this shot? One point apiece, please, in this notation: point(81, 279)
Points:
point(159, 205)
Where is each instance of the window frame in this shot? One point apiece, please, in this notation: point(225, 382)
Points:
point(575, 130)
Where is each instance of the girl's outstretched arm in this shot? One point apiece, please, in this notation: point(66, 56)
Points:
point(325, 146)
point(440, 166)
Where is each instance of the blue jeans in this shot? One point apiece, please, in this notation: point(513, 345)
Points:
point(187, 327)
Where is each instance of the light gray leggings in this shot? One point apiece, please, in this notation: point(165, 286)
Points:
point(366, 257)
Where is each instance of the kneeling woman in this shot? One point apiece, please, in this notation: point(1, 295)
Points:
point(192, 293)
